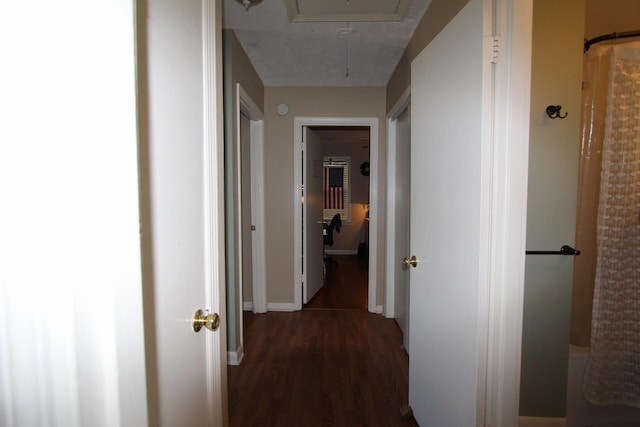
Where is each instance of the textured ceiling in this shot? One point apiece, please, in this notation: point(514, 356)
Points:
point(343, 10)
point(288, 53)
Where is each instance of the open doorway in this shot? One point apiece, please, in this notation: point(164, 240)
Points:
point(328, 143)
point(344, 201)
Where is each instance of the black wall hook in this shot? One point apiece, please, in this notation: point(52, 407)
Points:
point(553, 111)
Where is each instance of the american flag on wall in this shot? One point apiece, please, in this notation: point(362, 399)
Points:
point(333, 187)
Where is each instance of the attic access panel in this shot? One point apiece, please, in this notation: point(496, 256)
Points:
point(341, 10)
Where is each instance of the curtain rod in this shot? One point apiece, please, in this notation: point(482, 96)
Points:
point(622, 35)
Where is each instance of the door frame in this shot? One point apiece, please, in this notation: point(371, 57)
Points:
point(507, 162)
point(391, 257)
point(244, 104)
point(213, 142)
point(507, 125)
point(299, 214)
point(249, 108)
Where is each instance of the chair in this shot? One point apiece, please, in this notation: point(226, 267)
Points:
point(335, 224)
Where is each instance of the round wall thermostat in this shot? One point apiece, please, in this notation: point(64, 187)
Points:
point(282, 109)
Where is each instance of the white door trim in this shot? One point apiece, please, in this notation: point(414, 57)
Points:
point(509, 163)
point(248, 107)
point(213, 144)
point(298, 213)
point(391, 258)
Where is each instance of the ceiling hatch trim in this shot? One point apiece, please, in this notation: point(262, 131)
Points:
point(343, 10)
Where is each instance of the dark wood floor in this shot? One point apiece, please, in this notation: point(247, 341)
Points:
point(320, 367)
point(346, 284)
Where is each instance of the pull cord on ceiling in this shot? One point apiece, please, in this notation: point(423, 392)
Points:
point(348, 33)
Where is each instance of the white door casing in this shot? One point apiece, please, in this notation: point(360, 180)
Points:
point(258, 241)
point(470, 140)
point(257, 232)
point(509, 163)
point(372, 123)
point(244, 213)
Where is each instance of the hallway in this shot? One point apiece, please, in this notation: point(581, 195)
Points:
point(320, 368)
point(338, 366)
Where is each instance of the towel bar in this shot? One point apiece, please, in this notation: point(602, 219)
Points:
point(564, 250)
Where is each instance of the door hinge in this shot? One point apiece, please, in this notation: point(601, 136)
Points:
point(492, 48)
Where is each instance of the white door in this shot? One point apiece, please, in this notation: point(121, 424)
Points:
point(95, 322)
point(446, 231)
point(313, 205)
point(71, 315)
point(182, 217)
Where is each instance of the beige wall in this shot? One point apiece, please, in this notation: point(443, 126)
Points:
point(244, 73)
point(237, 69)
point(437, 16)
point(279, 179)
point(611, 16)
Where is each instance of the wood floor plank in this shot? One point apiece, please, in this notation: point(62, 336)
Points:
point(320, 368)
point(346, 284)
point(332, 364)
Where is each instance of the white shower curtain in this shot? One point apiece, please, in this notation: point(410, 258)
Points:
point(613, 371)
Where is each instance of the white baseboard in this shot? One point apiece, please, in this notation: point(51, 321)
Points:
point(247, 306)
point(341, 252)
point(280, 306)
point(379, 309)
point(234, 358)
point(541, 422)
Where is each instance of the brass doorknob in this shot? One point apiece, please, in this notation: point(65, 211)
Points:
point(201, 318)
point(413, 261)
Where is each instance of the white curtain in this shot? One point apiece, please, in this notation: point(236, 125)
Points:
point(613, 371)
